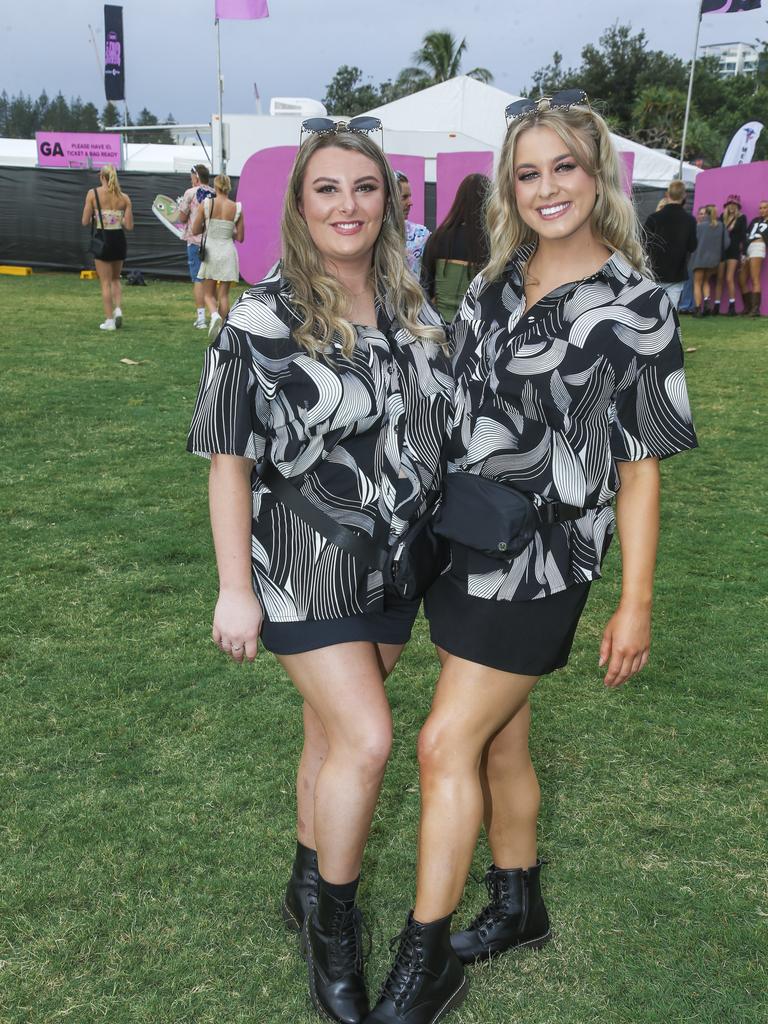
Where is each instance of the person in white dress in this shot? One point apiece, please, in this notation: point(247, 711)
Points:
point(221, 221)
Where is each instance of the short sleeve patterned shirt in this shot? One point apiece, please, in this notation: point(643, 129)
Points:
point(549, 399)
point(363, 437)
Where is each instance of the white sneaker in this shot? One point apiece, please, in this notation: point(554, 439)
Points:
point(108, 325)
point(214, 325)
point(118, 317)
point(200, 324)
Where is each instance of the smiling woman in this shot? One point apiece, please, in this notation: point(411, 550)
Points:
point(324, 405)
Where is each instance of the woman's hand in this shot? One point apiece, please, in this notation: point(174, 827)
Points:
point(626, 643)
point(237, 624)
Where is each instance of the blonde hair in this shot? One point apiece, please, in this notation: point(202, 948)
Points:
point(676, 190)
point(222, 183)
point(108, 175)
point(712, 211)
point(585, 133)
point(320, 301)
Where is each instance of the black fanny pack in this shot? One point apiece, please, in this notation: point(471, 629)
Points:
point(493, 518)
point(408, 568)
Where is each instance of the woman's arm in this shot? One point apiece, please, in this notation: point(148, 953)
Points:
point(87, 216)
point(627, 637)
point(240, 228)
point(238, 615)
point(128, 215)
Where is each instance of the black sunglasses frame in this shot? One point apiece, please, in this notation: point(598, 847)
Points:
point(362, 125)
point(562, 100)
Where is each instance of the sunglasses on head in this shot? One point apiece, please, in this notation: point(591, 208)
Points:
point(558, 101)
point(362, 124)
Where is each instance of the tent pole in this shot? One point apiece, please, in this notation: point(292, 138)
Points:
point(220, 91)
point(690, 88)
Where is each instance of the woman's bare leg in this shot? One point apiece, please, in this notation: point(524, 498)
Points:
point(698, 283)
point(512, 796)
point(315, 751)
point(755, 270)
point(730, 274)
point(343, 686)
point(209, 296)
point(104, 271)
point(720, 281)
point(223, 298)
point(472, 704)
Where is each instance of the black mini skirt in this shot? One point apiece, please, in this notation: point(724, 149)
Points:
point(393, 625)
point(529, 638)
point(116, 246)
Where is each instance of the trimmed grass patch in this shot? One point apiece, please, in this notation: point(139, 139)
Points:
point(146, 789)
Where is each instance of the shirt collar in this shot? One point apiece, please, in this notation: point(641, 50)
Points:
point(616, 266)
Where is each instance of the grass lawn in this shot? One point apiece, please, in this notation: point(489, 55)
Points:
point(146, 806)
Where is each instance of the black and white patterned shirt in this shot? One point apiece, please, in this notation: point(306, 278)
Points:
point(548, 399)
point(362, 437)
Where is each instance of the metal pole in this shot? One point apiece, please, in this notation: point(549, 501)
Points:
point(690, 88)
point(222, 162)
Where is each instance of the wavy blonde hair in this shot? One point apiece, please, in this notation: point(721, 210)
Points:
point(108, 175)
point(320, 301)
point(586, 135)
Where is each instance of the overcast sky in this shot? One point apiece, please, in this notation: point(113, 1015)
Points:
point(171, 50)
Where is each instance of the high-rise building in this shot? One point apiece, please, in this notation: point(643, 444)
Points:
point(735, 58)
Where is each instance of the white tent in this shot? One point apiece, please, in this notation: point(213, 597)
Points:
point(465, 107)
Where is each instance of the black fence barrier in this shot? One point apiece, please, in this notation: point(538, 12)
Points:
point(40, 210)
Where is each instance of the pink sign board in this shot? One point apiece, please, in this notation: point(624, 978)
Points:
point(452, 169)
point(750, 182)
point(261, 190)
point(77, 149)
point(627, 161)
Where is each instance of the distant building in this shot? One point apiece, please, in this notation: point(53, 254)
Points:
point(735, 58)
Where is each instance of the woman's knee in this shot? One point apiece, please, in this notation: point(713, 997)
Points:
point(366, 747)
point(439, 748)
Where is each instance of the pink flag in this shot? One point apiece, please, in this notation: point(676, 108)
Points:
point(243, 9)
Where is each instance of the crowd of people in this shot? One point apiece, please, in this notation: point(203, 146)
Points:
point(364, 455)
point(697, 259)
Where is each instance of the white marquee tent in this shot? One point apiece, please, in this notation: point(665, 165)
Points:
point(465, 107)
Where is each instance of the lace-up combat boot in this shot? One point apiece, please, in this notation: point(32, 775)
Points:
point(333, 948)
point(427, 980)
point(515, 917)
point(301, 894)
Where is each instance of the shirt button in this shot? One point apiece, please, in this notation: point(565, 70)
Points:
point(531, 319)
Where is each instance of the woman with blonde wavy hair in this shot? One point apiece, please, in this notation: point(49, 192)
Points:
point(324, 405)
point(109, 209)
point(569, 383)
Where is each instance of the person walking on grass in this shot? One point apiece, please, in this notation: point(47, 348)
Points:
point(757, 241)
point(109, 210)
point(736, 225)
point(221, 223)
point(330, 376)
point(713, 240)
point(671, 235)
point(570, 388)
point(197, 193)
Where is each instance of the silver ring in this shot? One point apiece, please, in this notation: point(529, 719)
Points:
point(237, 648)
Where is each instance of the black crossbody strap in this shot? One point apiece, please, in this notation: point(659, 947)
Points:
point(354, 544)
point(98, 207)
point(557, 512)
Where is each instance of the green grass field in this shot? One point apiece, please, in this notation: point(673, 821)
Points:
point(146, 806)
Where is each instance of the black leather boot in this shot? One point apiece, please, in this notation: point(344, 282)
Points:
point(301, 894)
point(427, 980)
point(332, 943)
point(515, 917)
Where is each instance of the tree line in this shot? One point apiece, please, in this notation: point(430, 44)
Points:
point(21, 116)
point(640, 91)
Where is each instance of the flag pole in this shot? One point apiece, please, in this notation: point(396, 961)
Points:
point(690, 88)
point(220, 91)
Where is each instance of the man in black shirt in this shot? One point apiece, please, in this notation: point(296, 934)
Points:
point(671, 240)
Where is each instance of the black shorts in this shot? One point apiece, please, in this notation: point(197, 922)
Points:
point(116, 246)
point(393, 625)
point(529, 638)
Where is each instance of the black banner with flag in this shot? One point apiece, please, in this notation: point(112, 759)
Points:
point(114, 53)
point(729, 6)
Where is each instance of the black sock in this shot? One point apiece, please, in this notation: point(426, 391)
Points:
point(344, 893)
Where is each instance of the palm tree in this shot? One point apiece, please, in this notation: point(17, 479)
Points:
point(439, 59)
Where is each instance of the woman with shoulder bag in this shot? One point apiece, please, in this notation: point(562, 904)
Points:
point(324, 405)
point(109, 212)
point(221, 222)
point(569, 381)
